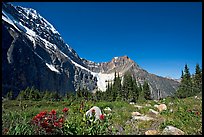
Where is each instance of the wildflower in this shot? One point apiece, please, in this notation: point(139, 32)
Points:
point(56, 124)
point(102, 117)
point(39, 116)
point(65, 109)
point(61, 120)
point(53, 112)
point(93, 111)
point(43, 113)
point(44, 124)
point(48, 130)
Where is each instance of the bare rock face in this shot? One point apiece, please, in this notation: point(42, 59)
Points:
point(170, 130)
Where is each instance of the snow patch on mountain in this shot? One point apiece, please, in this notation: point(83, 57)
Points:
point(102, 79)
point(51, 67)
point(9, 19)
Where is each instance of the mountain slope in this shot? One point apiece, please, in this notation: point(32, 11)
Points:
point(34, 54)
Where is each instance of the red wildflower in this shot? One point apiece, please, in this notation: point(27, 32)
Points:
point(65, 109)
point(56, 124)
point(44, 124)
point(102, 117)
point(38, 116)
point(53, 112)
point(35, 118)
point(61, 120)
point(93, 110)
point(43, 113)
point(48, 130)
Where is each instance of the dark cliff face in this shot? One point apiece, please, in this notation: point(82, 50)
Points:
point(22, 67)
point(34, 54)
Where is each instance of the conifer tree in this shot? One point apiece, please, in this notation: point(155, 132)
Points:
point(146, 90)
point(197, 80)
point(135, 90)
point(185, 87)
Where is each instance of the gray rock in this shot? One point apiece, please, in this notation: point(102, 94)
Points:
point(143, 118)
point(136, 114)
point(153, 112)
point(137, 106)
point(170, 130)
point(97, 112)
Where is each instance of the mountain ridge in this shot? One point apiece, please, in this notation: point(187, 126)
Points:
point(54, 65)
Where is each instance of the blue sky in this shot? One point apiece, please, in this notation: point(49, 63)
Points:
point(161, 37)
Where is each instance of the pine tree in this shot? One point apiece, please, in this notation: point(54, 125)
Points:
point(185, 88)
point(141, 93)
point(135, 90)
point(128, 87)
point(197, 80)
point(146, 90)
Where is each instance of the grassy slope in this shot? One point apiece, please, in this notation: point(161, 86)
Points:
point(16, 115)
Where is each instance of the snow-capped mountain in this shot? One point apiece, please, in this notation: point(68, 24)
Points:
point(34, 54)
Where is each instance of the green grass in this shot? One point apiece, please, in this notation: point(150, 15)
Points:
point(17, 115)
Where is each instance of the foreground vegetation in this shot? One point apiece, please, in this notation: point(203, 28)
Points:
point(34, 112)
point(185, 114)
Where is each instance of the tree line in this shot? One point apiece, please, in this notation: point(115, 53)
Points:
point(190, 84)
point(128, 90)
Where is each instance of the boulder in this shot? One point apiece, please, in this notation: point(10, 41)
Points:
point(153, 112)
point(161, 107)
point(97, 112)
point(156, 106)
point(170, 130)
point(136, 114)
point(137, 106)
point(143, 118)
point(151, 132)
